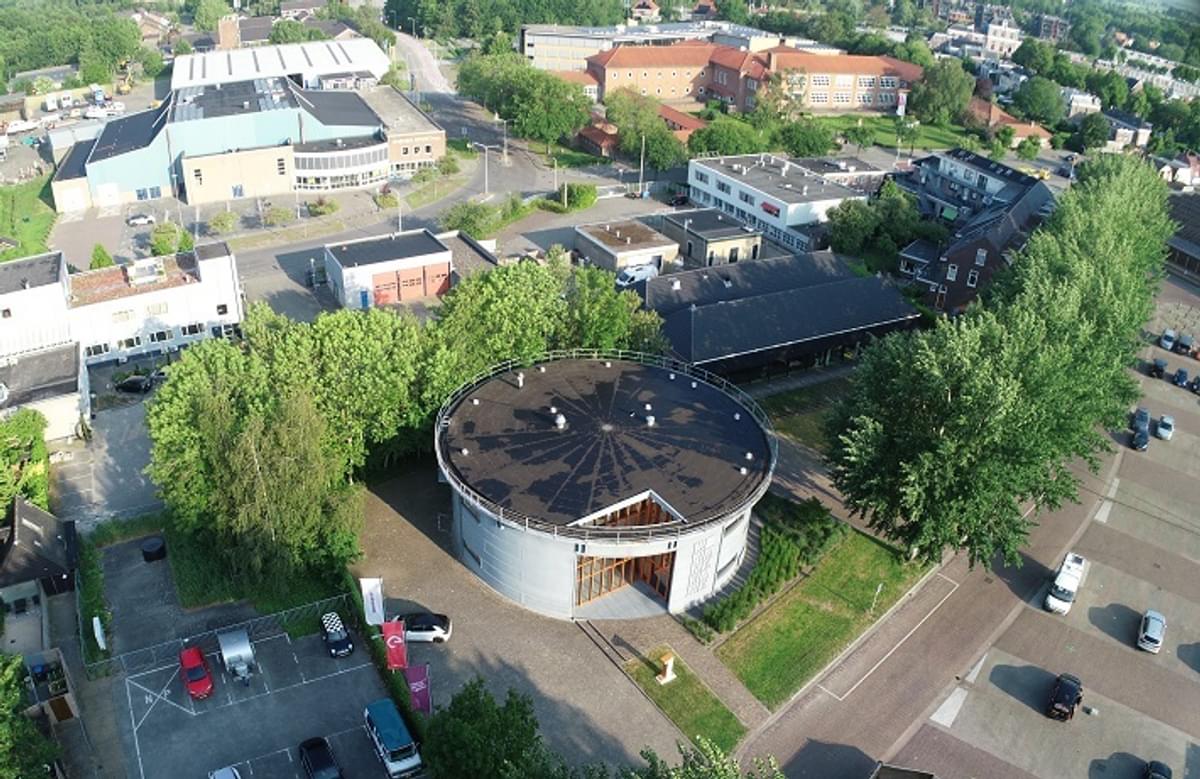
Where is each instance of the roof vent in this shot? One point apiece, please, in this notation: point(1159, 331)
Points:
point(671, 376)
point(805, 191)
point(464, 451)
point(693, 385)
point(743, 470)
point(520, 380)
point(560, 422)
point(749, 456)
point(737, 416)
point(474, 401)
point(648, 407)
point(607, 364)
point(675, 285)
point(649, 420)
point(541, 369)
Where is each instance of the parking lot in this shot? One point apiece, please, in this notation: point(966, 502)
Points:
point(297, 693)
point(1143, 544)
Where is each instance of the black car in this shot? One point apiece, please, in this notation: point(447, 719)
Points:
point(337, 638)
point(136, 384)
point(318, 760)
point(1066, 694)
point(678, 200)
point(1158, 368)
point(1141, 419)
point(1156, 769)
point(1185, 344)
point(1140, 440)
point(1181, 377)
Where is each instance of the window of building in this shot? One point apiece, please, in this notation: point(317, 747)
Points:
point(886, 98)
point(141, 194)
point(820, 81)
point(952, 273)
point(160, 336)
point(156, 309)
point(745, 197)
point(6, 313)
point(428, 149)
point(865, 98)
point(155, 193)
point(844, 80)
point(281, 166)
point(889, 82)
point(980, 256)
point(724, 187)
point(122, 316)
point(222, 309)
point(239, 191)
point(841, 98)
point(866, 82)
point(701, 177)
point(198, 175)
point(972, 278)
point(817, 98)
point(658, 91)
point(752, 85)
point(193, 329)
point(643, 90)
point(722, 78)
point(645, 74)
point(95, 350)
point(130, 343)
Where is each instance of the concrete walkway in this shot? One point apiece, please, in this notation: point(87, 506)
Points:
point(793, 381)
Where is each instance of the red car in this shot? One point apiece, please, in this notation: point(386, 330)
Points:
point(196, 676)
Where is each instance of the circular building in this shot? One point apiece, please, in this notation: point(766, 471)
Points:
point(589, 486)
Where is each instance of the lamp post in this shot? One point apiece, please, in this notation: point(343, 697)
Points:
point(414, 26)
point(496, 117)
point(485, 147)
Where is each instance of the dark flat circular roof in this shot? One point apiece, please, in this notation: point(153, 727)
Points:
point(691, 457)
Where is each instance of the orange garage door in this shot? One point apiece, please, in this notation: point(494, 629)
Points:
point(412, 284)
point(384, 285)
point(437, 279)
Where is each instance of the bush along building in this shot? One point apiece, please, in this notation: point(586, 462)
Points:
point(991, 210)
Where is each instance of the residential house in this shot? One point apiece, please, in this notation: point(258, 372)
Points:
point(681, 124)
point(52, 381)
point(624, 244)
point(600, 139)
point(747, 319)
point(155, 28)
point(707, 237)
point(1052, 28)
point(992, 117)
point(991, 209)
point(299, 10)
point(38, 555)
point(1003, 37)
point(1184, 170)
point(1184, 246)
point(645, 11)
point(1126, 131)
point(1079, 103)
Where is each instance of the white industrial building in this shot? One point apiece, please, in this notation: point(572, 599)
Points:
point(590, 486)
point(54, 324)
point(307, 64)
point(781, 197)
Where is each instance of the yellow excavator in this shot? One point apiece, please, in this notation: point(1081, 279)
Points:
point(125, 84)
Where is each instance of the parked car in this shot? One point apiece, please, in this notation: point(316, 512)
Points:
point(139, 220)
point(337, 638)
point(1185, 345)
point(1194, 384)
point(1065, 695)
point(1140, 440)
point(137, 384)
point(1141, 419)
point(225, 773)
point(1152, 631)
point(1158, 368)
point(1167, 339)
point(678, 200)
point(1181, 377)
point(1156, 769)
point(635, 273)
point(1066, 584)
point(317, 758)
point(424, 626)
point(1165, 428)
point(194, 669)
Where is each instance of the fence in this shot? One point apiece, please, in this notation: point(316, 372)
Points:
point(300, 619)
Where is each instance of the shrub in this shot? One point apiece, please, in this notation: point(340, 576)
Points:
point(101, 258)
point(322, 207)
point(700, 631)
point(552, 206)
point(424, 176)
point(448, 165)
point(222, 223)
point(579, 196)
point(277, 216)
point(386, 200)
point(164, 239)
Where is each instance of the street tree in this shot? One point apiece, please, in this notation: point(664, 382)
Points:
point(1092, 133)
point(726, 135)
point(473, 219)
point(547, 108)
point(806, 138)
point(223, 223)
point(100, 258)
point(852, 224)
point(860, 135)
point(636, 117)
point(1034, 55)
point(943, 94)
point(1029, 148)
point(1005, 135)
point(24, 750)
point(208, 13)
point(906, 134)
point(1040, 99)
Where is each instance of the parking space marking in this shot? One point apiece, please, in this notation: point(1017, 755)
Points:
point(1107, 504)
point(249, 762)
point(948, 711)
point(153, 697)
point(974, 674)
point(133, 721)
point(288, 687)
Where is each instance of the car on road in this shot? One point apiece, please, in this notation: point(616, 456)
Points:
point(1156, 769)
point(1066, 584)
point(1065, 696)
point(1194, 384)
point(1185, 345)
point(1158, 368)
point(635, 273)
point(317, 758)
point(1165, 428)
point(194, 669)
point(1181, 377)
point(424, 626)
point(1152, 631)
point(337, 638)
point(139, 220)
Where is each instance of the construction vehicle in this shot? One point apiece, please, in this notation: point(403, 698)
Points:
point(125, 85)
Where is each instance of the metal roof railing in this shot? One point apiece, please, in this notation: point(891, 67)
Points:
point(520, 520)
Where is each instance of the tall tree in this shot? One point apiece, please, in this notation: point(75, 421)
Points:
point(636, 117)
point(943, 94)
point(860, 135)
point(1040, 98)
point(24, 751)
point(809, 138)
point(1092, 133)
point(100, 258)
point(726, 135)
point(208, 13)
point(705, 760)
point(1035, 56)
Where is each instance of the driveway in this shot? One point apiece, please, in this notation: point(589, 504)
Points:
point(588, 709)
point(421, 63)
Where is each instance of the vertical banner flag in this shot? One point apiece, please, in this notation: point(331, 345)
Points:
point(393, 639)
point(372, 595)
point(418, 687)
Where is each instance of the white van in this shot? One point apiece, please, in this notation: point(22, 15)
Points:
point(393, 743)
point(1066, 584)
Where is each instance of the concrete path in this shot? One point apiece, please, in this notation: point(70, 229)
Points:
point(421, 63)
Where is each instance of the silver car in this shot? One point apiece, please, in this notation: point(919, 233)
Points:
point(1152, 631)
point(1165, 427)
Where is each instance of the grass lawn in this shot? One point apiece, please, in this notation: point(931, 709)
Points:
point(433, 191)
point(463, 148)
point(928, 136)
point(572, 158)
point(800, 413)
point(688, 702)
point(26, 216)
point(780, 651)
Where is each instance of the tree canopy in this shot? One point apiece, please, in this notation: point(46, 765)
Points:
point(537, 104)
point(291, 31)
point(1013, 391)
point(42, 34)
point(636, 117)
point(943, 94)
point(24, 750)
point(727, 135)
point(1040, 99)
point(479, 19)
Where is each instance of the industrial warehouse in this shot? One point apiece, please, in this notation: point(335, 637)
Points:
point(273, 120)
point(593, 487)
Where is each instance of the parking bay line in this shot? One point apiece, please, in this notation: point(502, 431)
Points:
point(899, 643)
point(133, 722)
point(155, 697)
point(1107, 504)
point(290, 686)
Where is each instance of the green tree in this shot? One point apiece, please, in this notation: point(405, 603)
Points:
point(223, 223)
point(943, 94)
point(165, 239)
point(997, 150)
point(473, 219)
point(733, 10)
point(852, 224)
point(93, 67)
point(277, 216)
point(100, 258)
point(1040, 99)
point(448, 165)
point(597, 315)
point(1005, 135)
point(636, 117)
point(1092, 133)
point(1029, 148)
point(1034, 55)
point(906, 134)
point(208, 13)
point(726, 135)
point(24, 751)
point(1109, 86)
point(705, 760)
point(860, 135)
point(290, 31)
point(546, 108)
point(807, 138)
point(182, 47)
point(151, 61)
point(780, 99)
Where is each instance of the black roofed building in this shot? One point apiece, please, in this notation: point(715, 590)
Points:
point(52, 382)
point(587, 487)
point(38, 553)
point(1184, 246)
point(708, 236)
point(991, 210)
point(751, 317)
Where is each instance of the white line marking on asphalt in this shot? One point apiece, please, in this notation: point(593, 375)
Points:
point(899, 643)
point(137, 747)
point(941, 575)
point(1107, 504)
point(950, 707)
point(974, 674)
point(825, 690)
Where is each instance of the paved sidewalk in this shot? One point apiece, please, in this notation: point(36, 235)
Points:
point(644, 635)
point(775, 386)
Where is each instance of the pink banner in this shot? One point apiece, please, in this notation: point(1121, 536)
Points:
point(393, 639)
point(418, 687)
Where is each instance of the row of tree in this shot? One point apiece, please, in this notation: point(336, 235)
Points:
point(947, 436)
point(881, 226)
point(479, 19)
point(38, 34)
point(538, 105)
point(256, 445)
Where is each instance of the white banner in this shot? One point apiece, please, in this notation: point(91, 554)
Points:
point(372, 594)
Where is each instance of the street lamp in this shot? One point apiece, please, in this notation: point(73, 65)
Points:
point(485, 147)
point(414, 26)
point(496, 117)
